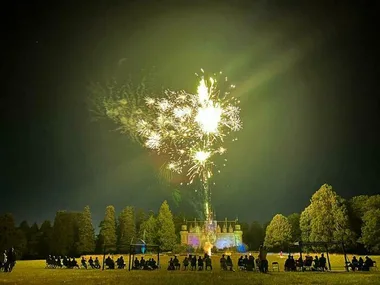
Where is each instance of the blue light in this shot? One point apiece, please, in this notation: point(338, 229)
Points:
point(241, 248)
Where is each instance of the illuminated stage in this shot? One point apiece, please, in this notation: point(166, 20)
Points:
point(221, 234)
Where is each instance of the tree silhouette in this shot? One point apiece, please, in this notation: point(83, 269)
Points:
point(166, 228)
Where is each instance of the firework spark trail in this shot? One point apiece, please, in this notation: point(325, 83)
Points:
point(191, 129)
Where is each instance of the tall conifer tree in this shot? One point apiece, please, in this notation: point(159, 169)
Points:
point(126, 229)
point(86, 233)
point(166, 228)
point(108, 229)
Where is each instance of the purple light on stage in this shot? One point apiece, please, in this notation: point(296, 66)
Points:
point(194, 240)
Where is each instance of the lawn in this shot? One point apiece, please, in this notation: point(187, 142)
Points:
point(34, 272)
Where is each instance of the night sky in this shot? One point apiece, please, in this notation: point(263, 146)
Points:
point(305, 75)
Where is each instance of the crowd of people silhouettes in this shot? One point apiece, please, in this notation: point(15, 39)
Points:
point(143, 264)
point(193, 263)
point(360, 265)
point(8, 260)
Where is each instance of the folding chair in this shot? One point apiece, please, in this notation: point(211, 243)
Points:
point(374, 266)
point(275, 266)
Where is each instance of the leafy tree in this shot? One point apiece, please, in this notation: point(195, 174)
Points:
point(373, 202)
point(265, 225)
point(245, 229)
point(24, 227)
point(178, 222)
point(371, 230)
point(165, 228)
point(278, 232)
point(126, 228)
point(24, 230)
point(33, 239)
point(305, 224)
point(86, 243)
point(141, 216)
point(359, 204)
point(30, 238)
point(65, 233)
point(108, 229)
point(45, 240)
point(254, 235)
point(354, 208)
point(358, 207)
point(10, 235)
point(326, 218)
point(7, 230)
point(99, 243)
point(294, 220)
point(148, 230)
point(20, 243)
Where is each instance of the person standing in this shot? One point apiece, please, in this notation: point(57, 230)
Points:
point(263, 259)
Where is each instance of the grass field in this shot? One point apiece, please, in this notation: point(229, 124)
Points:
point(34, 272)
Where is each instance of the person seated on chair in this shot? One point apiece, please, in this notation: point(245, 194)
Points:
point(293, 266)
point(360, 263)
point(3, 260)
point(263, 259)
point(185, 263)
point(290, 264)
point(97, 263)
point(171, 264)
point(241, 263)
point(142, 262)
point(229, 263)
point(223, 263)
point(177, 265)
point(251, 263)
point(54, 261)
point(258, 264)
point(59, 262)
point(354, 263)
point(322, 262)
point(299, 263)
point(208, 262)
point(110, 263)
point(65, 261)
point(120, 263)
point(136, 264)
point(200, 263)
point(68, 262)
point(83, 262)
point(193, 263)
point(91, 262)
point(316, 264)
point(245, 262)
point(153, 264)
point(368, 263)
point(48, 261)
point(11, 259)
point(308, 261)
point(287, 264)
point(148, 264)
point(74, 263)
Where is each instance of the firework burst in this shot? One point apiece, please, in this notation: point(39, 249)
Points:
point(191, 128)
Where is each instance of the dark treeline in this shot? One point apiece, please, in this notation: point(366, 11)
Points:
point(327, 218)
